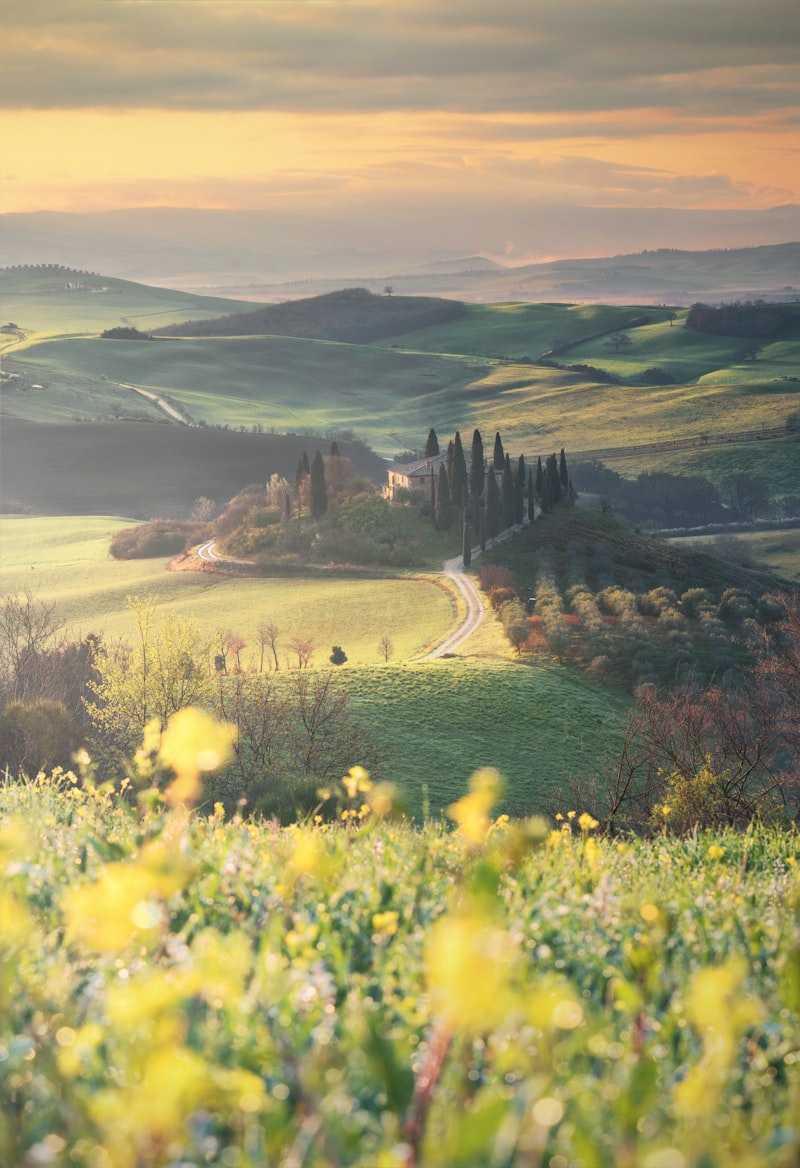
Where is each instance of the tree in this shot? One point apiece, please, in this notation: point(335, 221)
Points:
point(749, 352)
point(563, 473)
point(553, 479)
point(498, 458)
point(334, 451)
point(458, 475)
point(507, 495)
point(444, 504)
point(385, 647)
point(319, 490)
point(166, 668)
point(29, 629)
point(466, 542)
point(268, 636)
point(531, 502)
point(747, 494)
point(476, 469)
point(618, 341)
point(519, 501)
point(203, 510)
point(432, 445)
point(303, 648)
point(539, 477)
point(492, 506)
point(338, 655)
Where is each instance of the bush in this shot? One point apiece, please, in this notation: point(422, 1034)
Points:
point(36, 736)
point(158, 537)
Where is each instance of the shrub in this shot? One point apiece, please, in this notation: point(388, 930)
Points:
point(158, 537)
point(36, 736)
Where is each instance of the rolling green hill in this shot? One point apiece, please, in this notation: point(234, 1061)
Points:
point(44, 300)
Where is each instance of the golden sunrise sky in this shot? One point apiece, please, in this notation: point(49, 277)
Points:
point(361, 104)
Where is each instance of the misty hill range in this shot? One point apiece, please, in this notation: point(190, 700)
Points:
point(257, 255)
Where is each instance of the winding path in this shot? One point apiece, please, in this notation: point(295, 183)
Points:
point(454, 570)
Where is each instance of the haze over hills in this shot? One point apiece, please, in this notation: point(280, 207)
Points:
point(259, 255)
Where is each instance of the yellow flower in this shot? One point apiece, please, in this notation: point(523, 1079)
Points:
point(306, 853)
point(469, 965)
point(715, 852)
point(385, 923)
point(192, 744)
point(356, 780)
point(587, 823)
point(471, 812)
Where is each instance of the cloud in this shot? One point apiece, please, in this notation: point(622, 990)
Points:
point(716, 57)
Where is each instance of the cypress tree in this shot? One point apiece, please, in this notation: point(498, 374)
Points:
point(482, 529)
point(531, 503)
point(466, 542)
point(432, 445)
point(476, 471)
point(562, 472)
point(458, 474)
point(552, 479)
point(451, 453)
point(519, 498)
point(319, 489)
point(492, 506)
point(433, 498)
point(508, 509)
point(499, 459)
point(539, 478)
point(444, 504)
point(334, 449)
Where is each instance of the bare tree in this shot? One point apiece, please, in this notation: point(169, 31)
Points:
point(203, 510)
point(303, 648)
point(385, 647)
point(29, 629)
point(268, 633)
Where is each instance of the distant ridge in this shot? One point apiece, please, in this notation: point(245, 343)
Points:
point(352, 315)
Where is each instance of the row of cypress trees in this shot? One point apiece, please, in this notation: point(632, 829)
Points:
point(491, 496)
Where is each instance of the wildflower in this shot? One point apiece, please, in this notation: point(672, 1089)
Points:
point(586, 823)
point(715, 852)
point(356, 781)
point(192, 744)
point(468, 964)
point(385, 923)
point(471, 812)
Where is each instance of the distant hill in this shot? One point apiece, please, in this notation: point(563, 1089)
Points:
point(245, 252)
point(354, 316)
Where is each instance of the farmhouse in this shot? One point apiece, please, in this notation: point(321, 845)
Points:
point(411, 476)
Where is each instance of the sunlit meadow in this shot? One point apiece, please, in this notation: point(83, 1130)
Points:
point(180, 989)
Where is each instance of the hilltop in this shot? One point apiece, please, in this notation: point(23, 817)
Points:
point(351, 315)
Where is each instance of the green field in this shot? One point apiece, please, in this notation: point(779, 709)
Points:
point(455, 376)
point(67, 561)
point(39, 302)
point(539, 725)
point(779, 551)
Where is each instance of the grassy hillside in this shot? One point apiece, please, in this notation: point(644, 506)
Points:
point(143, 470)
point(520, 329)
point(353, 315)
point(539, 725)
point(40, 301)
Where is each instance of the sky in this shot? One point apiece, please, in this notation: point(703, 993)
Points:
point(357, 107)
